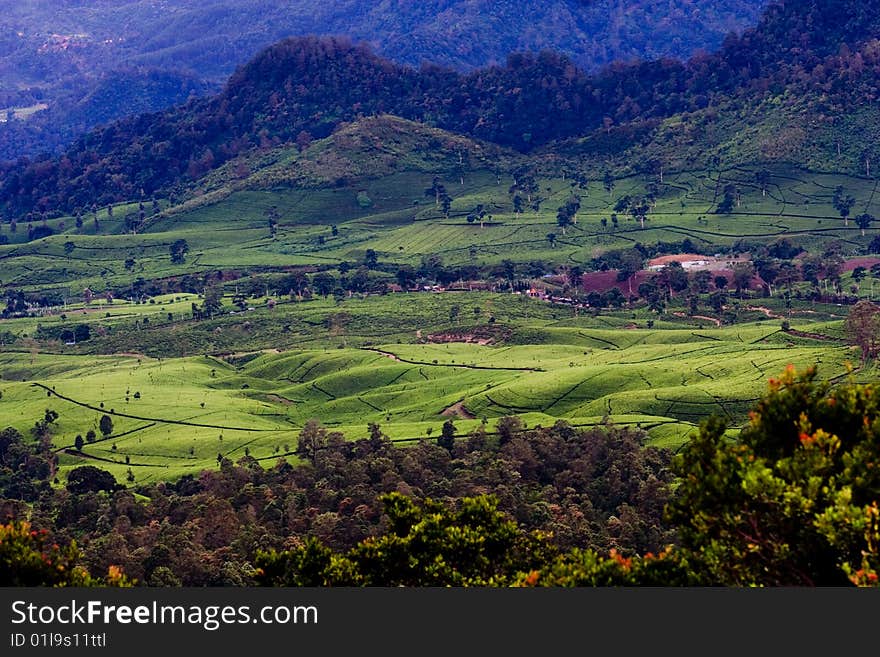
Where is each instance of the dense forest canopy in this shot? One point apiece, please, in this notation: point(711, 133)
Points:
point(111, 96)
point(596, 488)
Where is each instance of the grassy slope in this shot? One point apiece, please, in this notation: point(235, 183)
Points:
point(585, 368)
point(402, 225)
point(666, 380)
point(774, 130)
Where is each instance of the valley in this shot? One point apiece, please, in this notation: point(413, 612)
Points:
point(455, 304)
point(368, 303)
point(175, 415)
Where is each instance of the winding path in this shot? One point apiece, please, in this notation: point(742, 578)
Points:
point(398, 359)
point(145, 419)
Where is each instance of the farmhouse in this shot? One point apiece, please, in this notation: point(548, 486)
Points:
point(695, 262)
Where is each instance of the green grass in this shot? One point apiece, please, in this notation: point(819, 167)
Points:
point(272, 369)
point(665, 380)
point(403, 226)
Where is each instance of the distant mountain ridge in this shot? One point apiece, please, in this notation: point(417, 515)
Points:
point(50, 50)
point(800, 74)
point(114, 95)
point(212, 37)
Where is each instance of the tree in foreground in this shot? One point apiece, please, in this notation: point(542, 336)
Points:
point(863, 328)
point(28, 558)
point(427, 544)
point(794, 502)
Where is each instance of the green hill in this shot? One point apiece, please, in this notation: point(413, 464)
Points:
point(302, 89)
point(364, 150)
point(171, 416)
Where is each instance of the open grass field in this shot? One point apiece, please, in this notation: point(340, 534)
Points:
point(230, 231)
point(175, 415)
point(182, 391)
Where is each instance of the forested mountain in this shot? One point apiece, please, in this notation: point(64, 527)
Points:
point(213, 37)
point(813, 58)
point(53, 52)
point(110, 97)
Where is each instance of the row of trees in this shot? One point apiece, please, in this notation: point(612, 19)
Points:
point(793, 502)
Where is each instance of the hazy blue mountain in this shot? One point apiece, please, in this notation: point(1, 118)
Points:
point(54, 51)
point(785, 90)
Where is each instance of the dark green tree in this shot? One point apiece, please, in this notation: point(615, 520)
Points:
point(639, 211)
point(106, 425)
point(178, 249)
point(794, 501)
point(863, 221)
point(89, 479)
point(565, 217)
point(762, 177)
point(517, 204)
point(371, 258)
point(436, 191)
point(742, 277)
point(82, 332)
point(608, 183)
point(728, 200)
point(447, 435)
point(717, 300)
point(212, 301)
point(426, 544)
point(324, 283)
point(446, 204)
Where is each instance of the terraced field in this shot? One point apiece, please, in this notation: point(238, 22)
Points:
point(230, 230)
point(246, 382)
point(176, 415)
